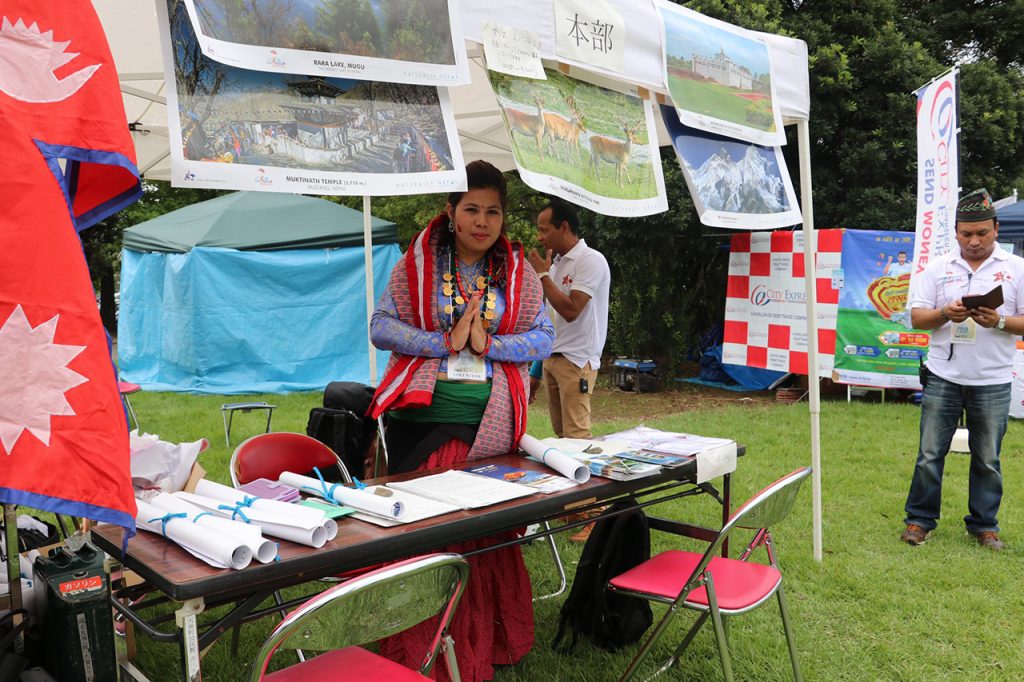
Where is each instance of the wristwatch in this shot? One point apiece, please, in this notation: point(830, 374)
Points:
point(1001, 324)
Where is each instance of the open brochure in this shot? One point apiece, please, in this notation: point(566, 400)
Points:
point(715, 456)
point(462, 489)
point(603, 458)
point(540, 481)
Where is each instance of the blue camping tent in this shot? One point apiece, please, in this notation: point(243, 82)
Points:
point(1011, 225)
point(250, 292)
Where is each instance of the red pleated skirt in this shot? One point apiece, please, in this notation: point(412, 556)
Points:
point(493, 624)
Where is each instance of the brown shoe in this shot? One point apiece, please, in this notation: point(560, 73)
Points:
point(583, 534)
point(989, 539)
point(915, 535)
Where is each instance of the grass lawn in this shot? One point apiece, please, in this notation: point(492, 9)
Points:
point(874, 609)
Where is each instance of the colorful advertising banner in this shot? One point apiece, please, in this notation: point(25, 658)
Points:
point(874, 345)
point(380, 40)
point(732, 183)
point(234, 128)
point(586, 144)
point(720, 76)
point(938, 169)
point(765, 304)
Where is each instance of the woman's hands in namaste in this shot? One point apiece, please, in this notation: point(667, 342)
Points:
point(463, 330)
point(477, 333)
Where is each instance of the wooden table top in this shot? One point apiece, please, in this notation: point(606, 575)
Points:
point(358, 544)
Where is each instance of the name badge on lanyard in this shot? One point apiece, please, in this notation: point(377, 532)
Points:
point(965, 332)
point(467, 367)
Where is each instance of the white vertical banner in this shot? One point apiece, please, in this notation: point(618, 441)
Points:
point(938, 169)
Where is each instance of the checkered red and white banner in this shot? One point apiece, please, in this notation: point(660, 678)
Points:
point(765, 304)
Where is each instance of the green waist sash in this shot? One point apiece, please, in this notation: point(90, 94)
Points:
point(454, 403)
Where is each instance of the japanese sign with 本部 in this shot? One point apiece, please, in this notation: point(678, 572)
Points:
point(590, 32)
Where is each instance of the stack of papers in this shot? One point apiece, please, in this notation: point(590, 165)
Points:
point(715, 456)
point(463, 489)
point(270, 490)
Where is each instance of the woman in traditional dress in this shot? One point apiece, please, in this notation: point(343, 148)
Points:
point(464, 316)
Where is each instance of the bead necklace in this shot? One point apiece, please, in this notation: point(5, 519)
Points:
point(483, 286)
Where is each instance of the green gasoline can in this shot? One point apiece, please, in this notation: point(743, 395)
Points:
point(78, 632)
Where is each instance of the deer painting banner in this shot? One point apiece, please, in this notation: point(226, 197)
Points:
point(733, 184)
point(874, 345)
point(720, 76)
point(589, 145)
point(381, 40)
point(234, 128)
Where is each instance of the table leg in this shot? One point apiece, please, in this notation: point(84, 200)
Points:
point(185, 618)
point(726, 509)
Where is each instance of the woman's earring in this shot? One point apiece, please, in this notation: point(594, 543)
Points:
point(451, 225)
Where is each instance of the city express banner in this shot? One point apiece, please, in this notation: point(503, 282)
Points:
point(874, 345)
point(938, 169)
point(766, 301)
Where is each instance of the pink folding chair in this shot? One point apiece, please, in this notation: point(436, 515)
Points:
point(713, 585)
point(374, 606)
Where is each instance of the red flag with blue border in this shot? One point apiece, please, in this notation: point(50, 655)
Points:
point(67, 161)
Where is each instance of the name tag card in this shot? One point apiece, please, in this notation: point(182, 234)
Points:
point(467, 367)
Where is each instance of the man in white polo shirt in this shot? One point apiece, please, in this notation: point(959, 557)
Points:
point(576, 285)
point(968, 369)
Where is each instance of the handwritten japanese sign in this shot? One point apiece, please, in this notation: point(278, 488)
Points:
point(515, 51)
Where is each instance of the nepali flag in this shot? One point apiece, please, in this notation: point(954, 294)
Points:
point(66, 162)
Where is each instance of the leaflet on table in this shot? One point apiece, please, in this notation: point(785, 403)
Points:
point(463, 489)
point(668, 442)
point(538, 480)
point(416, 508)
point(603, 458)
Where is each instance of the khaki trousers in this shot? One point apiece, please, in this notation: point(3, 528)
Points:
point(569, 408)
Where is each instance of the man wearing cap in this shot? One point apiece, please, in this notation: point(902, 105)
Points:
point(968, 369)
point(576, 285)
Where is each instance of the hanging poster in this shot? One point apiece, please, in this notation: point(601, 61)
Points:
point(719, 76)
point(874, 345)
point(379, 40)
point(938, 169)
point(766, 300)
point(233, 128)
point(732, 183)
point(586, 144)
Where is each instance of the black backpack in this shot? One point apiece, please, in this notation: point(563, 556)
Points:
point(616, 545)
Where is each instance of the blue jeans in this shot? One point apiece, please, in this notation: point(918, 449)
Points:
point(987, 410)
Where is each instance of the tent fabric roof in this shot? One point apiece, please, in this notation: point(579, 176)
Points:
point(1011, 221)
point(257, 221)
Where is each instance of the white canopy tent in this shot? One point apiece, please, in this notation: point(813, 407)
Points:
point(134, 39)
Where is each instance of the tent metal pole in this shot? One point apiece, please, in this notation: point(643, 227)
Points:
point(813, 381)
point(13, 568)
point(370, 298)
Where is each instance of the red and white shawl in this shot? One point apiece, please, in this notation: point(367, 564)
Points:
point(409, 380)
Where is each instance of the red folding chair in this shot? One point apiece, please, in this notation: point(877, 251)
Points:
point(713, 585)
point(374, 606)
point(126, 388)
point(266, 455)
